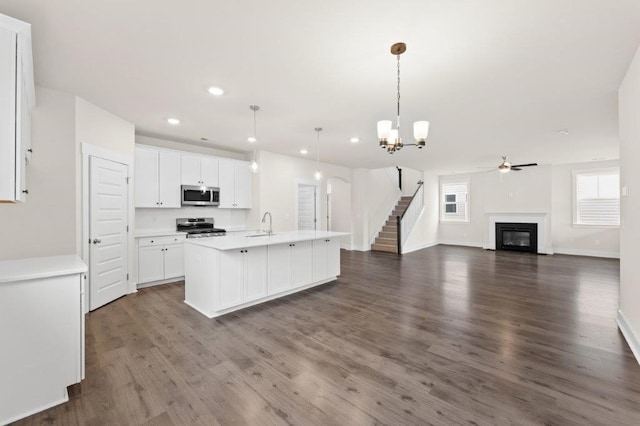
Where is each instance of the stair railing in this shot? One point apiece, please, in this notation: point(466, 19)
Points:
point(409, 216)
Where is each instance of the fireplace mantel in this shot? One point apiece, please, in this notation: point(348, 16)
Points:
point(542, 219)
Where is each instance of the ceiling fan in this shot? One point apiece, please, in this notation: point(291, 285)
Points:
point(506, 166)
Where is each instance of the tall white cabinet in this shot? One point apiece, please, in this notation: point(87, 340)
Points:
point(235, 184)
point(157, 178)
point(17, 99)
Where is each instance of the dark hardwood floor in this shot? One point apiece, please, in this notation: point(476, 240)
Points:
point(447, 335)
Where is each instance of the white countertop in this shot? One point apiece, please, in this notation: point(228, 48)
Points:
point(145, 233)
point(231, 242)
point(40, 267)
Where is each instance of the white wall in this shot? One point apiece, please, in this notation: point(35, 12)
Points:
point(471, 233)
point(629, 110)
point(410, 180)
point(46, 224)
point(340, 214)
point(164, 143)
point(374, 194)
point(571, 239)
point(425, 231)
point(277, 188)
point(99, 128)
point(164, 219)
point(542, 189)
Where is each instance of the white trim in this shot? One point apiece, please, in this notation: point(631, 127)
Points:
point(630, 336)
point(461, 243)
point(541, 219)
point(160, 282)
point(574, 194)
point(590, 253)
point(309, 182)
point(419, 247)
point(441, 202)
point(89, 150)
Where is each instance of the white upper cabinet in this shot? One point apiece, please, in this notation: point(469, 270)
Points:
point(157, 178)
point(17, 99)
point(235, 184)
point(199, 170)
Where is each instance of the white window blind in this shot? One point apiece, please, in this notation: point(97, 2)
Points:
point(454, 202)
point(597, 198)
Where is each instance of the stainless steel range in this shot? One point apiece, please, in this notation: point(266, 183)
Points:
point(199, 227)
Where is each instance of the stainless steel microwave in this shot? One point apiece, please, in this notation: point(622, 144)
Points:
point(193, 195)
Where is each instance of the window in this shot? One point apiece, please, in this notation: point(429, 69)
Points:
point(597, 197)
point(454, 202)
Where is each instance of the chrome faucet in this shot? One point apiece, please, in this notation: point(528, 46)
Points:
point(264, 218)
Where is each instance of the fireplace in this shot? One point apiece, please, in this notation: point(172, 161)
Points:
point(517, 237)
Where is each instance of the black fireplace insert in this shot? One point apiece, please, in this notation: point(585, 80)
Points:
point(517, 237)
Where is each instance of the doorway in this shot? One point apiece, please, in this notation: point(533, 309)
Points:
point(307, 205)
point(108, 231)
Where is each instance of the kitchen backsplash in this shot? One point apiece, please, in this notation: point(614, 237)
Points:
point(162, 219)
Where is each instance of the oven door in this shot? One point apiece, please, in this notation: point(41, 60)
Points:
point(199, 196)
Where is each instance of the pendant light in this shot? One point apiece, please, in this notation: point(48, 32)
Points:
point(254, 164)
point(318, 174)
point(390, 137)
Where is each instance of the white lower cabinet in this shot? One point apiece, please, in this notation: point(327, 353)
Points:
point(243, 277)
point(42, 331)
point(160, 258)
point(326, 258)
point(290, 265)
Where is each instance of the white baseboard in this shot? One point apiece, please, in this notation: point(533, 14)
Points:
point(591, 253)
point(406, 250)
point(630, 336)
point(161, 282)
point(461, 243)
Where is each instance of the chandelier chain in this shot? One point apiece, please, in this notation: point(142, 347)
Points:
point(398, 116)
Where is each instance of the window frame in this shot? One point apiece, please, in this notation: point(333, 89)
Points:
point(574, 195)
point(442, 203)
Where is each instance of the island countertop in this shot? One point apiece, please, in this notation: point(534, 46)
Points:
point(232, 242)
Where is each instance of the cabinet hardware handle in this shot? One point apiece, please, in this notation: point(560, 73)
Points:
point(30, 150)
point(96, 241)
point(26, 191)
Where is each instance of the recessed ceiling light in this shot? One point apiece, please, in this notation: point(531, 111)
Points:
point(216, 91)
point(252, 139)
point(563, 132)
point(304, 151)
point(354, 140)
point(173, 121)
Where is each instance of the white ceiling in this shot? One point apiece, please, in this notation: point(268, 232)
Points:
point(494, 77)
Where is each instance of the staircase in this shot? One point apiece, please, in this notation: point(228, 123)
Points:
point(387, 239)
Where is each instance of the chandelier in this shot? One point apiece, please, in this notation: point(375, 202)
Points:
point(390, 137)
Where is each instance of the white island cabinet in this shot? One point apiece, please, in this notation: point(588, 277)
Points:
point(42, 330)
point(224, 274)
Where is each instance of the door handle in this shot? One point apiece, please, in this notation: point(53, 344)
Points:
point(96, 241)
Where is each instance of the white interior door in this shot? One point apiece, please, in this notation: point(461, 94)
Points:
point(307, 207)
point(108, 251)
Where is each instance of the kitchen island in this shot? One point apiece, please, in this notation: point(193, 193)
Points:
point(224, 274)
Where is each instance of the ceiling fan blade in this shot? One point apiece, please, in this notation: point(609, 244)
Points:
point(524, 165)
